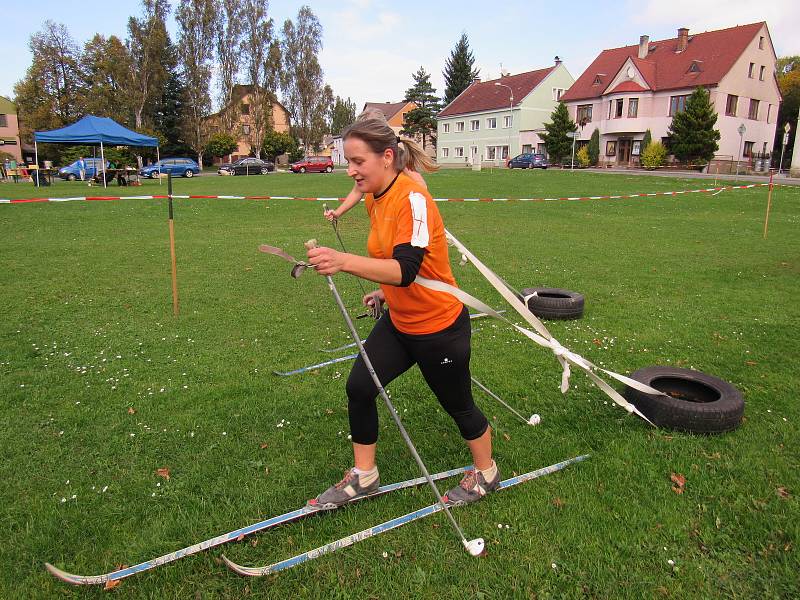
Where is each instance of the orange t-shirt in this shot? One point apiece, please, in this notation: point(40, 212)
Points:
point(406, 214)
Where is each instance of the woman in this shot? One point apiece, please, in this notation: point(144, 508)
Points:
point(423, 327)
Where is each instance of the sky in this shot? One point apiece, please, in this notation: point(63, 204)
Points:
point(371, 48)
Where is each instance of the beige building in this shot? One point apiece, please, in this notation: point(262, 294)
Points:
point(9, 129)
point(243, 129)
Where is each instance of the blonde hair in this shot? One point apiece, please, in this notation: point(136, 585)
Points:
point(376, 133)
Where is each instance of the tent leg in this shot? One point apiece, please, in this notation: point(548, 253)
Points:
point(158, 160)
point(103, 161)
point(36, 151)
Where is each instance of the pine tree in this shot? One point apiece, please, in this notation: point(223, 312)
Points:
point(420, 122)
point(458, 70)
point(646, 140)
point(559, 146)
point(692, 134)
point(342, 115)
point(594, 147)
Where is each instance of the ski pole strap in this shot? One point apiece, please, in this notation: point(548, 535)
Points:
point(541, 335)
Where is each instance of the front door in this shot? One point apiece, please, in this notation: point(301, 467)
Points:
point(624, 151)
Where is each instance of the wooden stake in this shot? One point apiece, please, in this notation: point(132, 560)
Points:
point(172, 248)
point(769, 205)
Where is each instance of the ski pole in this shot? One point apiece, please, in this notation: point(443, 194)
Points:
point(474, 547)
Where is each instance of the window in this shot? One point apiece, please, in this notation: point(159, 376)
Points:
point(459, 151)
point(750, 70)
point(445, 152)
point(730, 105)
point(507, 121)
point(246, 129)
point(694, 67)
point(557, 93)
point(585, 113)
point(597, 80)
point(496, 152)
point(753, 113)
point(761, 72)
point(677, 104)
point(748, 149)
point(491, 123)
point(445, 127)
point(769, 110)
point(460, 126)
point(618, 109)
point(633, 108)
point(474, 125)
point(610, 107)
point(761, 42)
point(245, 109)
point(3, 121)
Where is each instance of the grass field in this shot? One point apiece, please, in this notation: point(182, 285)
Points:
point(101, 387)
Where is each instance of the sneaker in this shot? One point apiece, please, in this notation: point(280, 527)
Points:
point(347, 490)
point(472, 488)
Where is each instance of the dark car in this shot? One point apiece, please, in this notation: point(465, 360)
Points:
point(313, 164)
point(528, 160)
point(249, 166)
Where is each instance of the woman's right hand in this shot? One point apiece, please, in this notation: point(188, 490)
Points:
point(331, 215)
point(374, 299)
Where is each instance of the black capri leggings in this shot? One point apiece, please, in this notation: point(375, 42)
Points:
point(443, 359)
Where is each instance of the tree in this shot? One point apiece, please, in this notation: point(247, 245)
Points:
point(789, 84)
point(262, 67)
point(458, 70)
point(168, 112)
point(105, 68)
point(692, 133)
point(420, 122)
point(558, 144)
point(48, 96)
point(148, 45)
point(230, 33)
point(343, 115)
point(220, 144)
point(594, 147)
point(306, 96)
point(276, 143)
point(646, 140)
point(197, 20)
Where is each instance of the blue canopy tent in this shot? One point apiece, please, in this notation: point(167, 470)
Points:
point(94, 130)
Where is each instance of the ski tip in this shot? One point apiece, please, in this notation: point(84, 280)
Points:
point(240, 570)
point(68, 577)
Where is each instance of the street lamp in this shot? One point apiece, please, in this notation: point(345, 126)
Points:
point(786, 129)
point(741, 131)
point(510, 114)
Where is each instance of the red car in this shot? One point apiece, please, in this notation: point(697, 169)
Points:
point(313, 164)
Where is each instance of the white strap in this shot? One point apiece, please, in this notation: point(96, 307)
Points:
point(543, 338)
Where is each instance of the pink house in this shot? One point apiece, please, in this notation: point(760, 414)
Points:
point(628, 90)
point(9, 129)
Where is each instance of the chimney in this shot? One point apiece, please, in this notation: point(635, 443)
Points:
point(644, 46)
point(558, 60)
point(683, 39)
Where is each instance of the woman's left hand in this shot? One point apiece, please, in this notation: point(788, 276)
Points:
point(326, 261)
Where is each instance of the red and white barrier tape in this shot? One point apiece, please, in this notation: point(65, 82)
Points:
point(184, 197)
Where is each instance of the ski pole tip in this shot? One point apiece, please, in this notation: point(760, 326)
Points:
point(475, 547)
point(534, 420)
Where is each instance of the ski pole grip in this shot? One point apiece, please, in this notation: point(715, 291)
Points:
point(312, 243)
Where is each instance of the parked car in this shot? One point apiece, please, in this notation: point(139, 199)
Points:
point(248, 166)
point(528, 160)
point(183, 167)
point(71, 172)
point(313, 164)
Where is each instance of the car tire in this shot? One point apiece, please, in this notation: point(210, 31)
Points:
point(71, 177)
point(188, 173)
point(264, 171)
point(696, 402)
point(302, 169)
point(329, 169)
point(554, 303)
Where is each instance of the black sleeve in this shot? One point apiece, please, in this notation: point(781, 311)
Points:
point(410, 259)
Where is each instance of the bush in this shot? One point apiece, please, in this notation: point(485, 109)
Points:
point(594, 148)
point(646, 140)
point(654, 155)
point(221, 144)
point(583, 157)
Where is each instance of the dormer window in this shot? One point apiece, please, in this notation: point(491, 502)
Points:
point(597, 80)
point(694, 67)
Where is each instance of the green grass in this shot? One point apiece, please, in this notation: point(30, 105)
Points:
point(87, 333)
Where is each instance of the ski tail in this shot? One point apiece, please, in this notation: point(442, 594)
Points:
point(230, 536)
point(383, 527)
